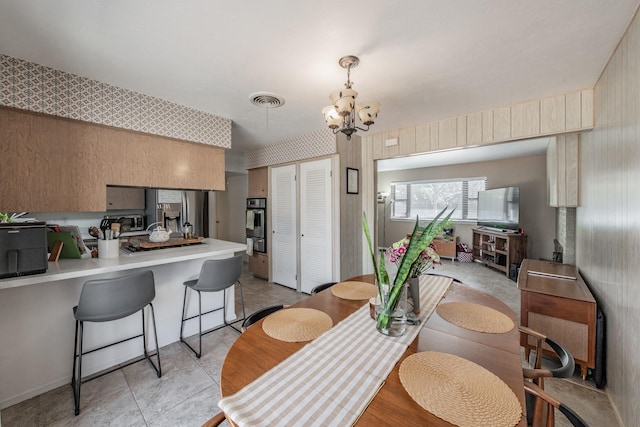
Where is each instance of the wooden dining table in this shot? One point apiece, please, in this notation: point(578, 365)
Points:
point(255, 353)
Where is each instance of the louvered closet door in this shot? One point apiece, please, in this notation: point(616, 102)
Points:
point(316, 226)
point(284, 226)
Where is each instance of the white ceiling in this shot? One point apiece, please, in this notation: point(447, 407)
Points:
point(423, 60)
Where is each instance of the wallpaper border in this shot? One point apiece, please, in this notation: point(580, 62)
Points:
point(29, 86)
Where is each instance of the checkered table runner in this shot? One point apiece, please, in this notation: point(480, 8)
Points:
point(331, 380)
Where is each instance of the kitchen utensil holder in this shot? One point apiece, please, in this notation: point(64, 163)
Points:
point(109, 248)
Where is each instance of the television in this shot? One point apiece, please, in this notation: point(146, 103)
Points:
point(499, 208)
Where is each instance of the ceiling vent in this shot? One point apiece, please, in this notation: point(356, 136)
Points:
point(266, 99)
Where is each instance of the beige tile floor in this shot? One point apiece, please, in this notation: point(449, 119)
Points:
point(188, 392)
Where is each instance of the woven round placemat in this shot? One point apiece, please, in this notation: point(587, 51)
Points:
point(296, 324)
point(459, 391)
point(475, 317)
point(354, 290)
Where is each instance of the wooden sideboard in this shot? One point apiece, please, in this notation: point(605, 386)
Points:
point(555, 301)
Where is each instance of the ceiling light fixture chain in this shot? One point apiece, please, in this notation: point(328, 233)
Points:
point(341, 116)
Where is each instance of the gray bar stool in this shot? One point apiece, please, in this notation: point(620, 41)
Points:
point(104, 300)
point(216, 275)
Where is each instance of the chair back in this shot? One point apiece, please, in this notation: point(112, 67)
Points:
point(568, 364)
point(322, 287)
point(566, 359)
point(536, 392)
point(219, 274)
point(264, 312)
point(103, 300)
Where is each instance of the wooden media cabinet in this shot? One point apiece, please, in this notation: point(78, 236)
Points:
point(499, 250)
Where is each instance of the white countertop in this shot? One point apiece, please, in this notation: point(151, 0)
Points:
point(72, 268)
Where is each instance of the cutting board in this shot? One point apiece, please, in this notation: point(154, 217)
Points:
point(172, 242)
point(69, 247)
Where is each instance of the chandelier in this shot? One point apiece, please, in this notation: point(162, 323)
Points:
point(341, 116)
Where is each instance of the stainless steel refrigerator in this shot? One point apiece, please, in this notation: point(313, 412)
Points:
point(173, 208)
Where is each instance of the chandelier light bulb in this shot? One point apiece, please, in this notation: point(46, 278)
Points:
point(368, 112)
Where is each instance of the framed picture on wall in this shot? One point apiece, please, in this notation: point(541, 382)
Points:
point(352, 181)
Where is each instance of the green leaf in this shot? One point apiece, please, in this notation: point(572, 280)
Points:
point(415, 248)
point(384, 277)
point(365, 227)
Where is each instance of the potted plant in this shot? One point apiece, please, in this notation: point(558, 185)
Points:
point(390, 293)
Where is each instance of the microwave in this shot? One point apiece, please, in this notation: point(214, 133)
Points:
point(127, 222)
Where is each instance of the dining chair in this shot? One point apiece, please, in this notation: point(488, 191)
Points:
point(215, 275)
point(537, 374)
point(105, 300)
point(216, 420)
point(551, 403)
point(263, 312)
point(322, 287)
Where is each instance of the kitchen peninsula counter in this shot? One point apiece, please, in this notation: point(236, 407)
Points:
point(74, 268)
point(37, 320)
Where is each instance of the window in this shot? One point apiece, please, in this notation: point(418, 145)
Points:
point(426, 198)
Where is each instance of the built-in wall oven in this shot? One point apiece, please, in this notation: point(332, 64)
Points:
point(257, 223)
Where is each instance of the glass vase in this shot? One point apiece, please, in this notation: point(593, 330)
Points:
point(391, 316)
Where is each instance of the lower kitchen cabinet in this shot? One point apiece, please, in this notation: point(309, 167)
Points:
point(259, 265)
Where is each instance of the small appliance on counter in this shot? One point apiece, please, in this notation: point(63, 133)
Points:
point(23, 249)
point(128, 223)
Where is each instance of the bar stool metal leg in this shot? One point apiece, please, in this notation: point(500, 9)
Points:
point(244, 315)
point(76, 380)
point(158, 368)
point(198, 353)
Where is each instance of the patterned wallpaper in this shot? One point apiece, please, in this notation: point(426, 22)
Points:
point(315, 144)
point(30, 86)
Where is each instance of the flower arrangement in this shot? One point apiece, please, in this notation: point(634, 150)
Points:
point(426, 259)
point(420, 239)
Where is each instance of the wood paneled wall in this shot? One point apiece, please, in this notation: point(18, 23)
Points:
point(607, 225)
point(350, 209)
point(568, 112)
point(51, 164)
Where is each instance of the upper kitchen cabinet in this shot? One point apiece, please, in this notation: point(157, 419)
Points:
point(258, 182)
point(52, 164)
point(120, 198)
point(562, 171)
